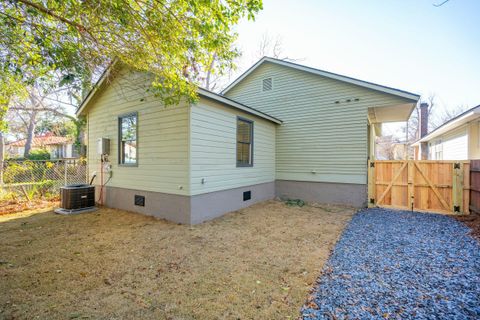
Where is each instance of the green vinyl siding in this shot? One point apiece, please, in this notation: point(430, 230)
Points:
point(319, 140)
point(213, 148)
point(163, 158)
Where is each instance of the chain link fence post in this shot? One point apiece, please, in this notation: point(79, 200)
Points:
point(65, 171)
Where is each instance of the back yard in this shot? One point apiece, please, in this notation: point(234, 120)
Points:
point(257, 263)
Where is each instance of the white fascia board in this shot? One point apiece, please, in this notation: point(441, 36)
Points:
point(365, 84)
point(236, 105)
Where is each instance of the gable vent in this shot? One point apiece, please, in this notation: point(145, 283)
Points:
point(267, 84)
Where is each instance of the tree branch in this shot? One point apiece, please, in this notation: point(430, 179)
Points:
point(45, 109)
point(440, 4)
point(81, 28)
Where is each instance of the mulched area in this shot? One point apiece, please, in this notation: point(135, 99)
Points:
point(400, 265)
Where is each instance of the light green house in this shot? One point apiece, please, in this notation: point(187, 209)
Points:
point(280, 129)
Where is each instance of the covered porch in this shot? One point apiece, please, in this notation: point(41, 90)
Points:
point(379, 115)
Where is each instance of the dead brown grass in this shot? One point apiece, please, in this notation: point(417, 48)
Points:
point(257, 263)
point(19, 206)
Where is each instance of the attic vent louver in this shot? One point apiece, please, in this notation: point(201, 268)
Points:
point(267, 84)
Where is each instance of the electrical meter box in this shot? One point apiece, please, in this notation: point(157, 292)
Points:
point(103, 146)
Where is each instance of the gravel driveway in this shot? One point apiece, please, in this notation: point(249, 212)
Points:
point(400, 265)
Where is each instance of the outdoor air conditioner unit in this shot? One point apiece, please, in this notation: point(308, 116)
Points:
point(76, 198)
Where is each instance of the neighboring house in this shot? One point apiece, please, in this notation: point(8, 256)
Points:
point(58, 147)
point(281, 129)
point(456, 139)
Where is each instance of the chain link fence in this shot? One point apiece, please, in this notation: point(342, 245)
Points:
point(37, 179)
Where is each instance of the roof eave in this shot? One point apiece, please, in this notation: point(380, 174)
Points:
point(462, 119)
point(97, 85)
point(201, 91)
point(401, 93)
point(216, 97)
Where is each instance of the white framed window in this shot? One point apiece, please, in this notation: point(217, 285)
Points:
point(244, 142)
point(438, 150)
point(127, 139)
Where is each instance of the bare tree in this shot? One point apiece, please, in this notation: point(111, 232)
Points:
point(414, 121)
point(216, 76)
point(210, 83)
point(271, 47)
point(28, 112)
point(448, 114)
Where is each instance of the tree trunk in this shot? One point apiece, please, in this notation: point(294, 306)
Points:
point(2, 156)
point(209, 72)
point(30, 133)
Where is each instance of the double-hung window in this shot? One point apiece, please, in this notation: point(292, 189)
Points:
point(244, 143)
point(127, 138)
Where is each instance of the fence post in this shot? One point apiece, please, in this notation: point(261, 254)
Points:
point(457, 182)
point(411, 184)
point(65, 170)
point(371, 184)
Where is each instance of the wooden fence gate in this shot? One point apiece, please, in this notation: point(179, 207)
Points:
point(420, 185)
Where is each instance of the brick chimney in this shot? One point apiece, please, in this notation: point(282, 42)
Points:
point(423, 119)
point(423, 130)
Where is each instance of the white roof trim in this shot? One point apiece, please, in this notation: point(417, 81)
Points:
point(201, 92)
point(365, 84)
point(97, 85)
point(454, 123)
point(214, 96)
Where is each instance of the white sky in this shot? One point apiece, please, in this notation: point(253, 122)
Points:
point(405, 44)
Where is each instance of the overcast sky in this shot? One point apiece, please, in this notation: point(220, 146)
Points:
point(406, 44)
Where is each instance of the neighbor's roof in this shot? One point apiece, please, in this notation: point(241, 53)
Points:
point(453, 123)
point(201, 92)
point(365, 84)
point(39, 141)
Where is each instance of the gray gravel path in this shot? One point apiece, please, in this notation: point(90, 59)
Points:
point(400, 265)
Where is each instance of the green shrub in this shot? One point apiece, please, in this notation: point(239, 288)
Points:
point(40, 154)
point(17, 172)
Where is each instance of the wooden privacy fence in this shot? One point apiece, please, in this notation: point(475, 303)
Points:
point(475, 186)
point(421, 185)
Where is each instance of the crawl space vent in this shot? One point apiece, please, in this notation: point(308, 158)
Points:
point(139, 200)
point(247, 195)
point(267, 84)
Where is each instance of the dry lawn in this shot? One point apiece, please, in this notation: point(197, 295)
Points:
point(256, 263)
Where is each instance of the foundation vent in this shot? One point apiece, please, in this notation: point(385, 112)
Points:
point(140, 200)
point(247, 195)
